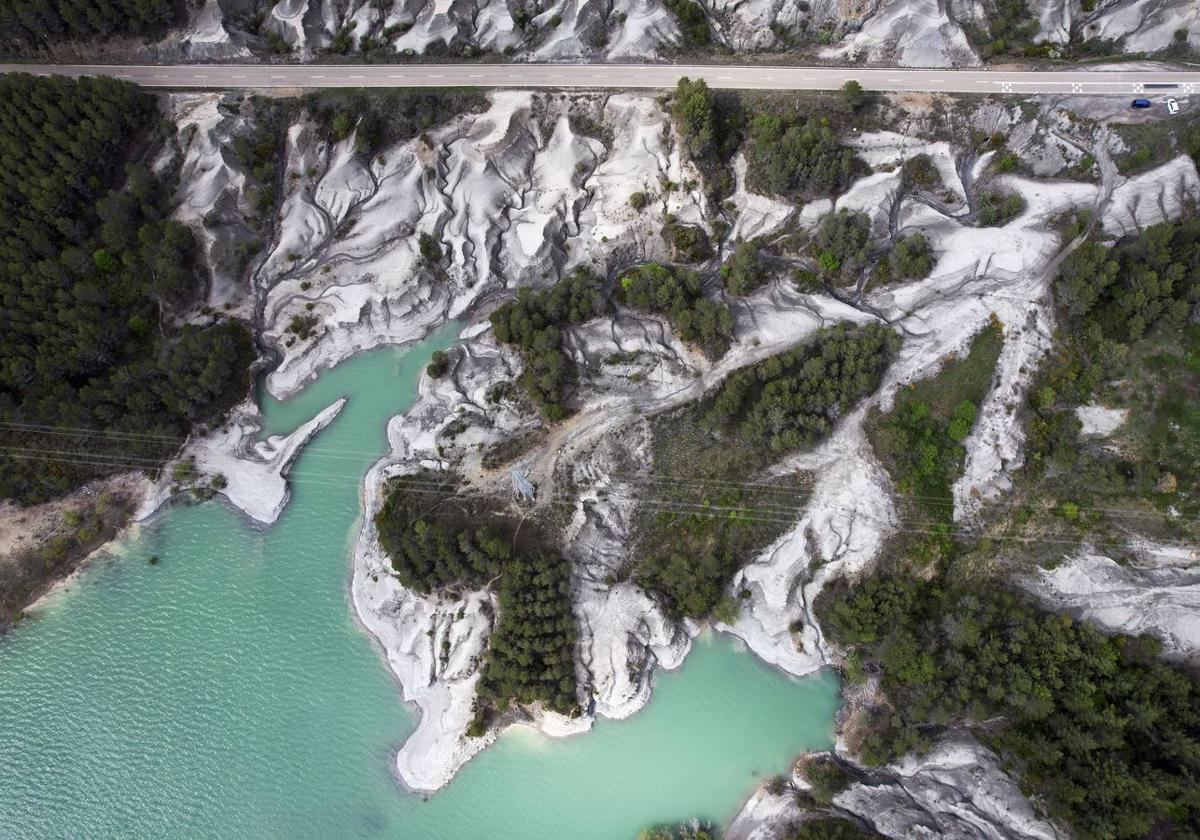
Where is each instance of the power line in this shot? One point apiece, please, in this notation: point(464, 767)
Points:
point(749, 513)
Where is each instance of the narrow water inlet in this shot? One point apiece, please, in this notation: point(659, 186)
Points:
point(228, 691)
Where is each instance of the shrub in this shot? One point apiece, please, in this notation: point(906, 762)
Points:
point(438, 365)
point(911, 258)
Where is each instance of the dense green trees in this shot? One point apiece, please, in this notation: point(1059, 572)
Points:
point(745, 270)
point(1103, 734)
point(702, 530)
point(911, 258)
point(709, 127)
point(435, 541)
point(533, 323)
point(1011, 28)
point(1125, 342)
point(790, 154)
point(29, 24)
point(439, 538)
point(790, 400)
point(89, 275)
point(530, 655)
point(842, 244)
point(1093, 726)
point(678, 295)
point(689, 243)
point(380, 118)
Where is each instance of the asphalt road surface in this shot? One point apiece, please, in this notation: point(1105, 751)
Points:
point(213, 76)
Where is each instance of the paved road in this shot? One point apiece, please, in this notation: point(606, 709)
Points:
point(1125, 82)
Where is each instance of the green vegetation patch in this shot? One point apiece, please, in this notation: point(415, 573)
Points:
point(30, 25)
point(911, 258)
point(678, 295)
point(92, 269)
point(1094, 727)
point(789, 154)
point(440, 538)
point(698, 532)
point(689, 243)
point(533, 323)
point(745, 271)
point(997, 209)
point(1099, 731)
point(694, 29)
point(381, 118)
point(1125, 343)
point(842, 246)
point(919, 441)
point(1011, 28)
point(709, 126)
point(825, 776)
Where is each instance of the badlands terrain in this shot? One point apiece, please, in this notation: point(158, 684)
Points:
point(514, 190)
point(915, 33)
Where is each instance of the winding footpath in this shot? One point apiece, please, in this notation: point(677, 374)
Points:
point(1133, 82)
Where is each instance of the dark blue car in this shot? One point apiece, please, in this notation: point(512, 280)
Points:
point(1141, 103)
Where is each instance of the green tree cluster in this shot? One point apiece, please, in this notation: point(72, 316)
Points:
point(439, 539)
point(745, 270)
point(694, 29)
point(27, 25)
point(381, 118)
point(793, 155)
point(920, 171)
point(1123, 313)
point(842, 245)
point(678, 295)
point(533, 323)
point(911, 258)
point(689, 243)
point(1110, 298)
point(792, 399)
point(688, 553)
point(259, 154)
point(87, 273)
point(1102, 733)
point(709, 127)
point(530, 654)
point(997, 209)
point(1011, 28)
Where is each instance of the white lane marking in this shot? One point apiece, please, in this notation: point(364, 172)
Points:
point(1006, 87)
point(937, 81)
point(318, 75)
point(1189, 87)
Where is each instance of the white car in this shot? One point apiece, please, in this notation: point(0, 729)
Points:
point(1172, 106)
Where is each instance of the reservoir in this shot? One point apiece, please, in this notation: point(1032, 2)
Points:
point(227, 691)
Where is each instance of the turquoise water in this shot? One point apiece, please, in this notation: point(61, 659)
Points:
point(228, 692)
